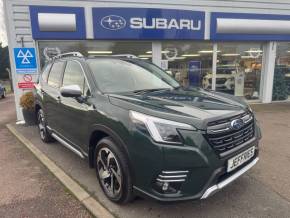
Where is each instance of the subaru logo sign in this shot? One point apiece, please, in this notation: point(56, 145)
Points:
point(113, 22)
point(147, 23)
point(237, 124)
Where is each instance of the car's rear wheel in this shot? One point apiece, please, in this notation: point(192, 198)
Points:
point(41, 122)
point(113, 171)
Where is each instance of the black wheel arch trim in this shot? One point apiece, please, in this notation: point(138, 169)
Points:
point(111, 133)
point(38, 103)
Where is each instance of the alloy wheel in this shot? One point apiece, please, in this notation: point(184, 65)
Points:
point(41, 125)
point(109, 172)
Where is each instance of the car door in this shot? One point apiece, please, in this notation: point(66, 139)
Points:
point(74, 111)
point(51, 95)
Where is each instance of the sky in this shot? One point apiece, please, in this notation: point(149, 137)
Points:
point(3, 36)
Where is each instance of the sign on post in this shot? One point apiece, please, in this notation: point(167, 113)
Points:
point(25, 60)
point(27, 82)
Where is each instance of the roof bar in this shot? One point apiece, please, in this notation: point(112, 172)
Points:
point(73, 54)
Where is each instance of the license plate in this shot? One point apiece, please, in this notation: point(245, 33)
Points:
point(241, 158)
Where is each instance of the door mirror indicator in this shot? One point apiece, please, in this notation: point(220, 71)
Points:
point(73, 91)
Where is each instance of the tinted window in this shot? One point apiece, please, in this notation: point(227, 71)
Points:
point(73, 75)
point(115, 75)
point(45, 72)
point(55, 74)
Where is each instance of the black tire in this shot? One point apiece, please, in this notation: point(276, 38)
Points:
point(43, 132)
point(125, 194)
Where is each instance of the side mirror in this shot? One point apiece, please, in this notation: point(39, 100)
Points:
point(73, 91)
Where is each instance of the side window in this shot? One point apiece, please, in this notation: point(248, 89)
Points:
point(87, 91)
point(45, 72)
point(73, 75)
point(55, 74)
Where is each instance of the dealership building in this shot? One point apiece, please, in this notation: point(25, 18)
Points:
point(238, 47)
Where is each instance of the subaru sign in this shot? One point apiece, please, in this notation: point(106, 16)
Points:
point(142, 23)
point(113, 22)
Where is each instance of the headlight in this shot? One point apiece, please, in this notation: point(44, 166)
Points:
point(161, 130)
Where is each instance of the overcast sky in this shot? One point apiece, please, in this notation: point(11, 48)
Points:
point(3, 37)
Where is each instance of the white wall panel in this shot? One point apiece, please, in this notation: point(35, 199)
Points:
point(252, 26)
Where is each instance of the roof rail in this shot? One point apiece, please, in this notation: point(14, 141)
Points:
point(125, 55)
point(116, 55)
point(69, 54)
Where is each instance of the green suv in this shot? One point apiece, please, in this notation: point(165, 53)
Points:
point(143, 133)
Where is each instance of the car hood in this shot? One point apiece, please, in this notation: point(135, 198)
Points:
point(192, 106)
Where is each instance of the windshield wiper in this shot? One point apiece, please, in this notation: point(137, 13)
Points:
point(143, 91)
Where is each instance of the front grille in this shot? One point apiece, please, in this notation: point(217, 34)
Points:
point(223, 138)
point(221, 80)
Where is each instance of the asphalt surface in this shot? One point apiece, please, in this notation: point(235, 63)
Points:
point(263, 192)
point(27, 188)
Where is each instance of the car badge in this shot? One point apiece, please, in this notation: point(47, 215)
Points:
point(237, 124)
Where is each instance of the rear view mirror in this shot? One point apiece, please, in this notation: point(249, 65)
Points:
point(73, 91)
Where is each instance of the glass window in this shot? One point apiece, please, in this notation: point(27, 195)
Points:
point(49, 49)
point(187, 61)
point(115, 75)
point(55, 74)
point(281, 85)
point(73, 75)
point(87, 91)
point(45, 72)
point(239, 69)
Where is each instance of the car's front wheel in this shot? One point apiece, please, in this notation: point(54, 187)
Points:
point(41, 122)
point(113, 171)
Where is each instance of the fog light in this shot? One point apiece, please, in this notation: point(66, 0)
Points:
point(169, 182)
point(165, 186)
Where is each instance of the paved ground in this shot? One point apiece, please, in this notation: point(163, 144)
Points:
point(263, 192)
point(27, 189)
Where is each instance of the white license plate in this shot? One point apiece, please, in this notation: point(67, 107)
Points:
point(241, 158)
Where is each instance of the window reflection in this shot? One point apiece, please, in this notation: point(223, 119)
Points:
point(281, 85)
point(90, 48)
point(189, 62)
point(239, 69)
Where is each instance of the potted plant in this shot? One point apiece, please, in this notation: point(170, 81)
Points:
point(27, 105)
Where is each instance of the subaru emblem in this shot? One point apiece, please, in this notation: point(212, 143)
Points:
point(237, 124)
point(113, 22)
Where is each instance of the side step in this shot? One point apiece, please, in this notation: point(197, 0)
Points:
point(67, 145)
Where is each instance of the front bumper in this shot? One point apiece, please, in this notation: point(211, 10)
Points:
point(215, 188)
point(198, 169)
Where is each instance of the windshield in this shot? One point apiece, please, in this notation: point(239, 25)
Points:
point(117, 75)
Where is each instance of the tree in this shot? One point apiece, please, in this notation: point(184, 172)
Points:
point(4, 62)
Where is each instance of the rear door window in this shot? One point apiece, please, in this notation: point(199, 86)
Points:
point(45, 72)
point(55, 74)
